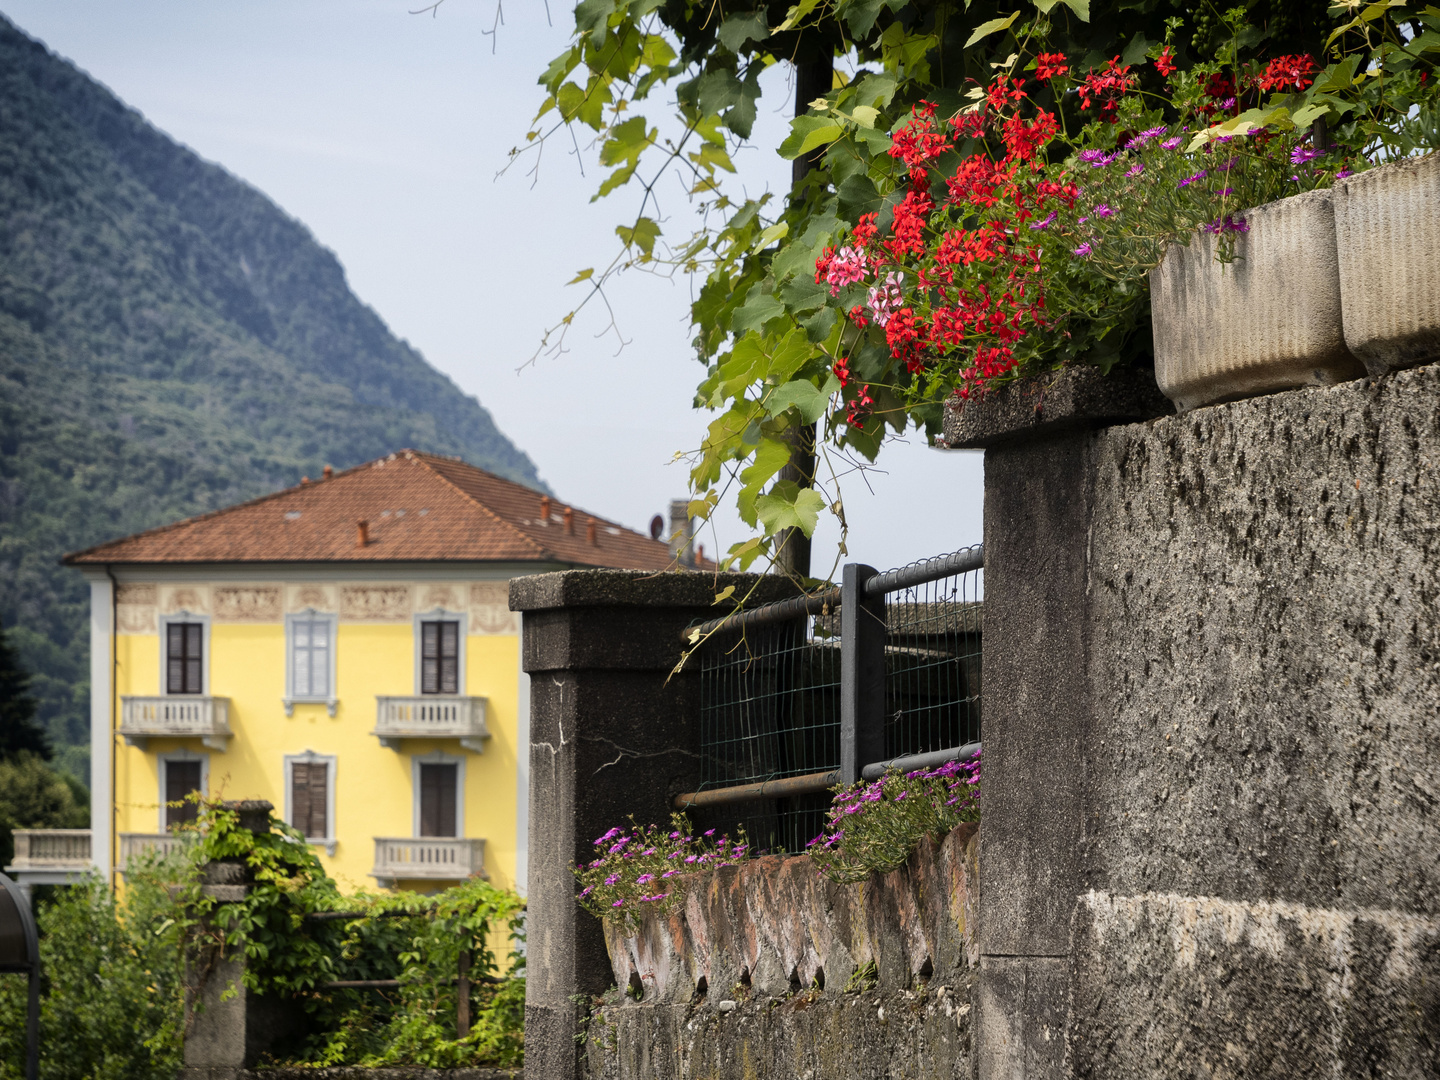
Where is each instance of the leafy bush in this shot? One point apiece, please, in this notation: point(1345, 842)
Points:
point(414, 939)
point(35, 796)
point(873, 827)
point(113, 1001)
point(111, 1007)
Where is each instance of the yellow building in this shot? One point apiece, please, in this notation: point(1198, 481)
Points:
point(344, 649)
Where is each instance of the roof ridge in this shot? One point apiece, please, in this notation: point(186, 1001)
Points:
point(157, 530)
point(423, 458)
point(599, 520)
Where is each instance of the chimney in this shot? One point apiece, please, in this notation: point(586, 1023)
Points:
point(362, 533)
point(590, 531)
point(545, 509)
point(680, 535)
point(304, 481)
point(699, 554)
point(569, 521)
point(328, 472)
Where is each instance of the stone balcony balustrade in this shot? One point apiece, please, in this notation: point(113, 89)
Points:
point(197, 716)
point(135, 844)
point(428, 858)
point(431, 716)
point(50, 856)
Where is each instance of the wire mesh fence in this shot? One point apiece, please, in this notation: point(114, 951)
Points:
point(932, 665)
point(771, 695)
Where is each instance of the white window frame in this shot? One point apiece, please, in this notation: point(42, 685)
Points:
point(437, 757)
point(310, 757)
point(180, 755)
point(436, 615)
point(292, 699)
point(185, 617)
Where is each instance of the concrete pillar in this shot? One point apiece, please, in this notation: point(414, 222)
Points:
point(613, 733)
point(1038, 709)
point(227, 1028)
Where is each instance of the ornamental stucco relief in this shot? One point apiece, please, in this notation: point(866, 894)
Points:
point(490, 609)
point(247, 603)
point(375, 603)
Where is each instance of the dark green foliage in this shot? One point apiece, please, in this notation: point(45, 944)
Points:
point(18, 730)
point(170, 343)
point(111, 982)
point(35, 796)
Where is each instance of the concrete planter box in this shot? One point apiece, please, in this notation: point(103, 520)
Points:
point(1387, 224)
point(1268, 321)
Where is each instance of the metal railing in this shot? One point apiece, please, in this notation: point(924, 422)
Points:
point(431, 716)
point(192, 716)
point(801, 695)
point(428, 858)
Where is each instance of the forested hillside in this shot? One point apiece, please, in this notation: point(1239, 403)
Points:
point(170, 342)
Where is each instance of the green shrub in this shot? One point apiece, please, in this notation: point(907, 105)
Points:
point(111, 1005)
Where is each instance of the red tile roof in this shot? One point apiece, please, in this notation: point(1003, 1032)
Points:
point(417, 507)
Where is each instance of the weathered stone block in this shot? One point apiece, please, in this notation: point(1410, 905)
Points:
point(776, 925)
point(1070, 399)
point(1387, 222)
point(1268, 321)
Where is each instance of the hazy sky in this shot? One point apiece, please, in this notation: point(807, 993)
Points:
point(383, 132)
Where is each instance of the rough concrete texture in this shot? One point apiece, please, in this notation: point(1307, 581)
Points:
point(920, 1034)
point(1263, 765)
point(777, 926)
point(1268, 321)
point(1387, 223)
point(348, 1072)
point(1169, 985)
point(1073, 398)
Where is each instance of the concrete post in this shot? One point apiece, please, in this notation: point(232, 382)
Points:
point(1039, 496)
point(227, 1028)
point(612, 734)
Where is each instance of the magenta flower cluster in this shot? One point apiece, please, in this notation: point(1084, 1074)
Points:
point(633, 868)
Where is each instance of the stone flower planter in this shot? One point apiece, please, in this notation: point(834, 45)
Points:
point(1387, 224)
point(1268, 321)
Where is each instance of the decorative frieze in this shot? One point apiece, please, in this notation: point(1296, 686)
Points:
point(490, 609)
point(192, 598)
point(135, 609)
point(247, 603)
point(375, 603)
point(309, 598)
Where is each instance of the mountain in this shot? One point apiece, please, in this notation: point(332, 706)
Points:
point(170, 342)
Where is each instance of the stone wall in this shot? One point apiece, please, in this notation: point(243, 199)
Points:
point(1212, 738)
point(770, 970)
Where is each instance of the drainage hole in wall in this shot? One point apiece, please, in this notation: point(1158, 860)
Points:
point(702, 987)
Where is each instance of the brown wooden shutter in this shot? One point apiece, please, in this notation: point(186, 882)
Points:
point(181, 778)
point(183, 656)
point(437, 800)
point(440, 658)
point(450, 658)
point(309, 794)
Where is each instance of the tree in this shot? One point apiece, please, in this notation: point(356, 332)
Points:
point(769, 341)
point(19, 732)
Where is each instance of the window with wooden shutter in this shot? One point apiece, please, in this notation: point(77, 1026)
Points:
point(184, 646)
point(309, 798)
point(310, 647)
point(181, 778)
point(438, 799)
point(440, 658)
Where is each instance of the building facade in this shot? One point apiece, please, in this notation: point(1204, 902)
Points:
point(343, 649)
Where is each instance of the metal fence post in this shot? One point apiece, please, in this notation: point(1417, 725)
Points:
point(862, 673)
